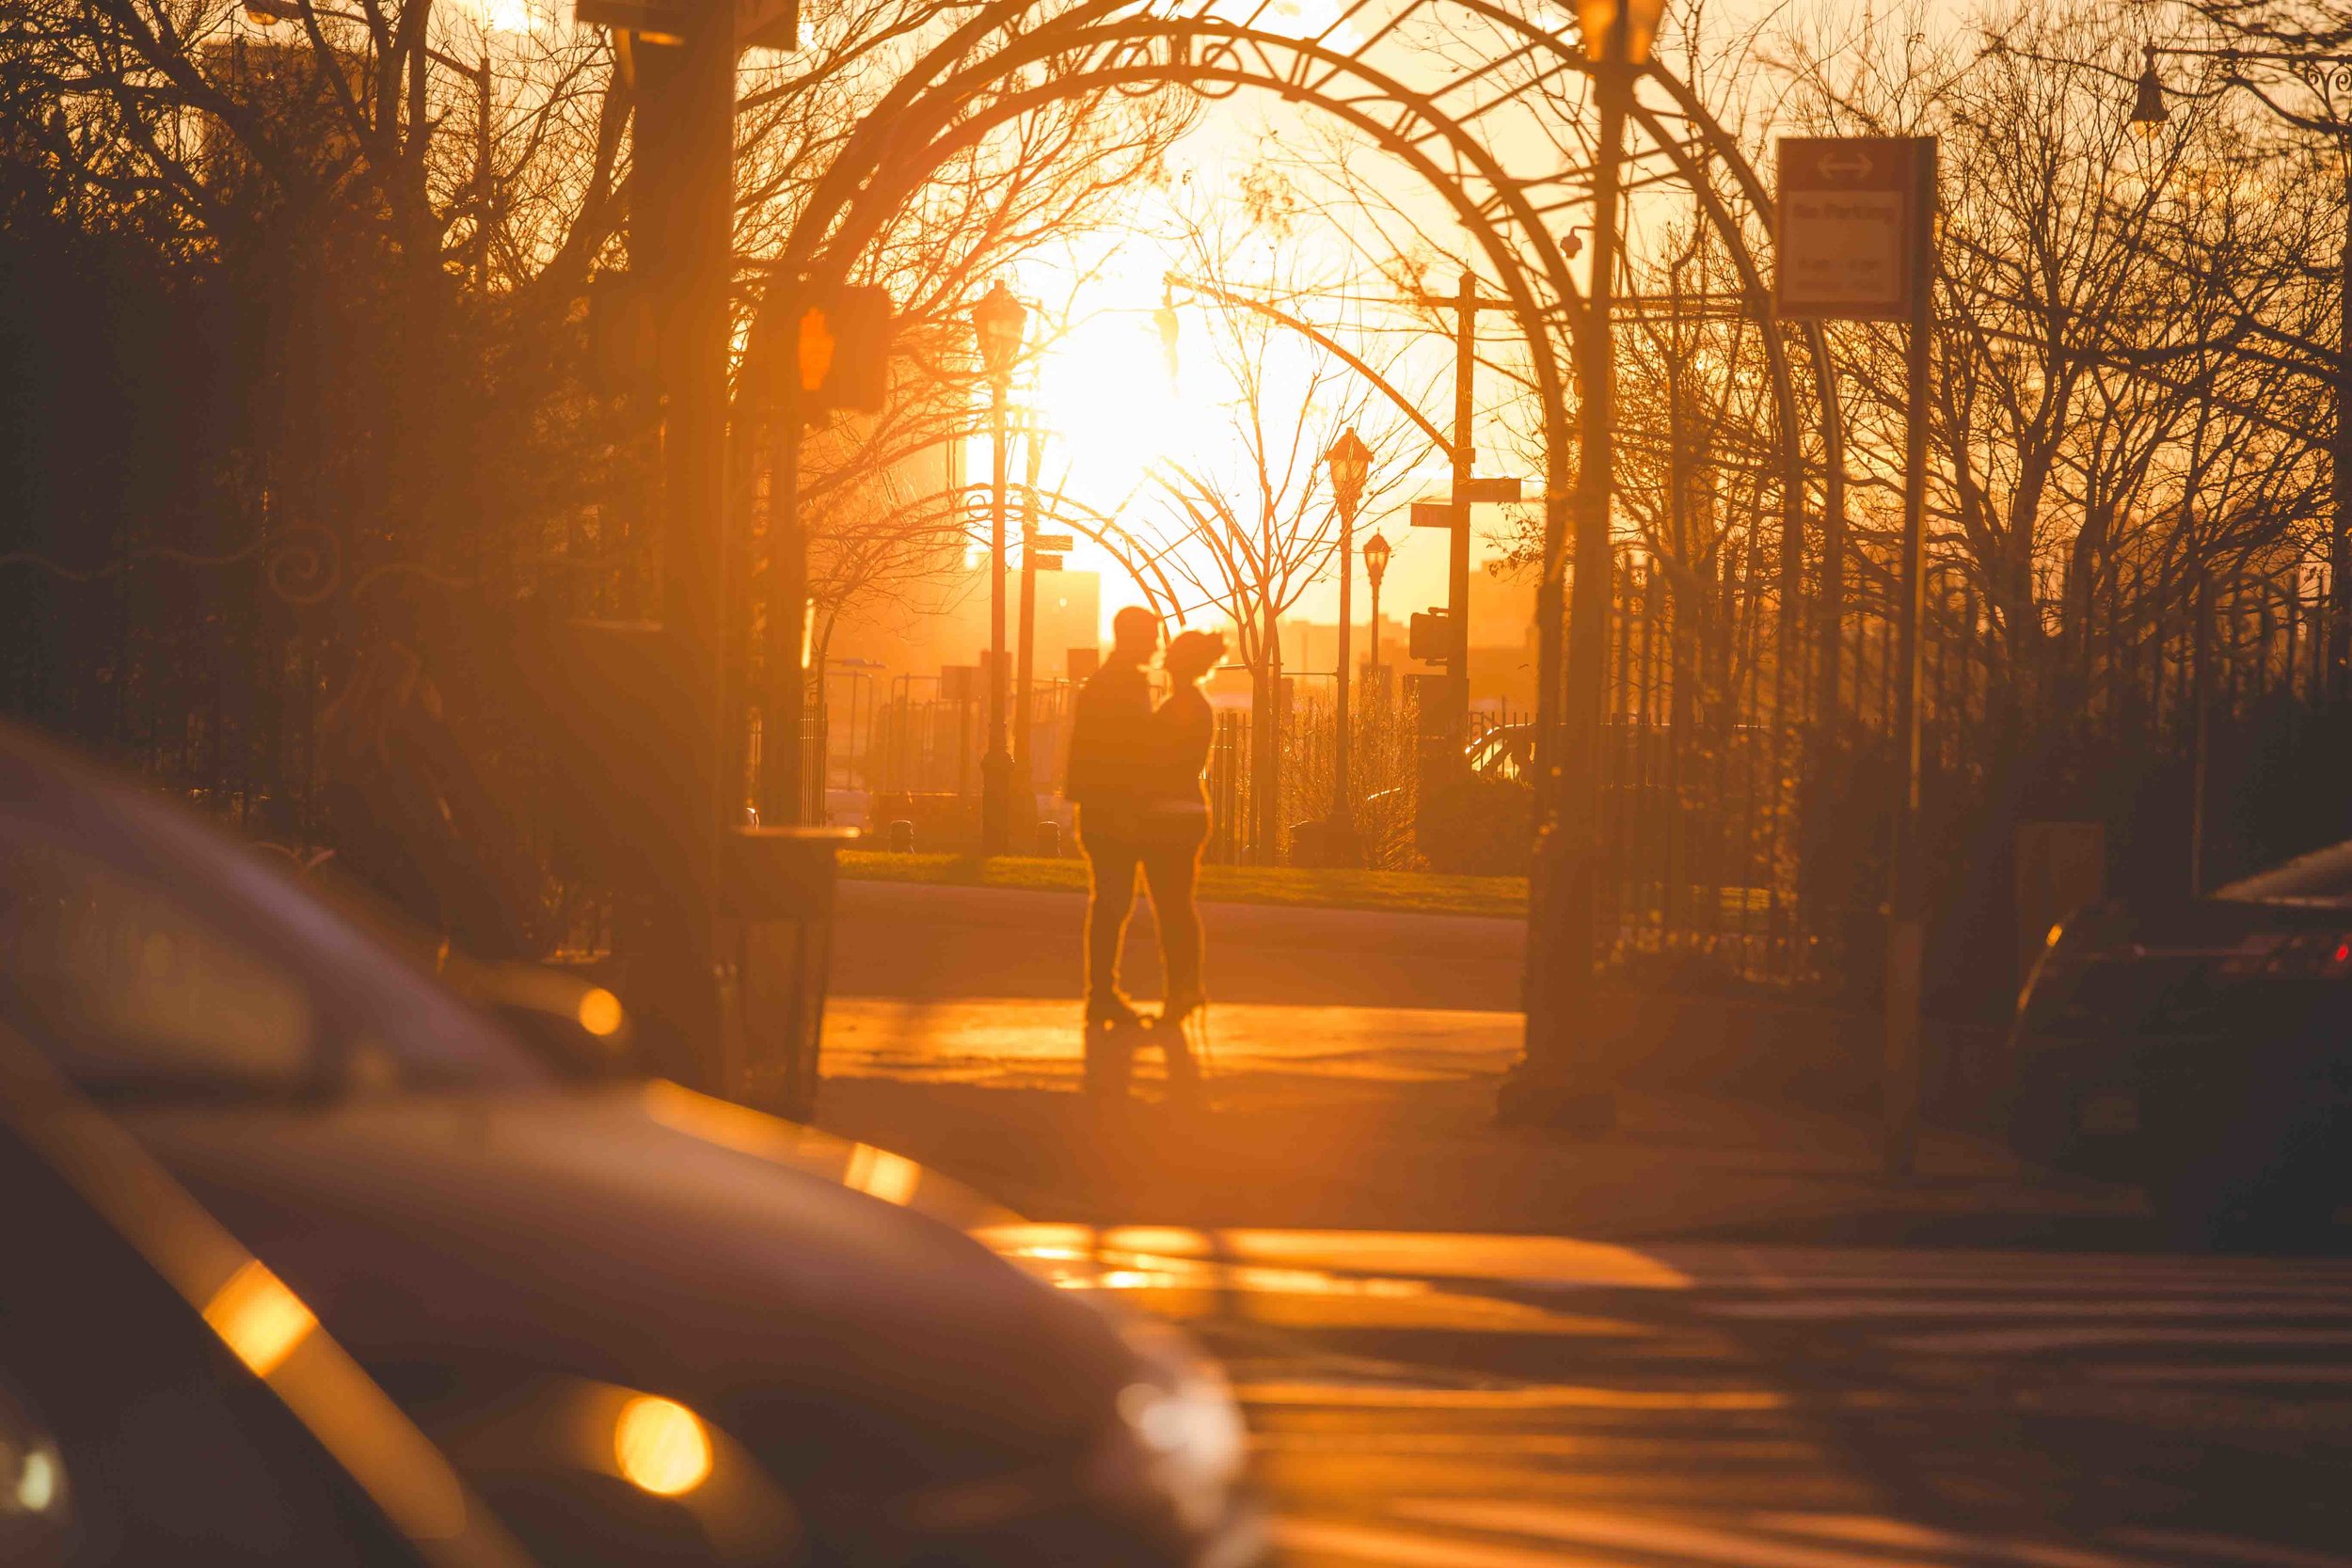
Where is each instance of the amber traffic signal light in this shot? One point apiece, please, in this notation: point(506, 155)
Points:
point(841, 351)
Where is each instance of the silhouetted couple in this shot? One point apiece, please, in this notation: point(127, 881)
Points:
point(1136, 775)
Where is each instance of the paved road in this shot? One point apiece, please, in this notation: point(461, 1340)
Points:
point(1458, 1401)
point(904, 940)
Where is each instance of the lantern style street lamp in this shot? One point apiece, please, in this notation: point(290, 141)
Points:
point(1375, 567)
point(1350, 461)
point(998, 322)
point(2148, 107)
point(1619, 32)
point(1351, 464)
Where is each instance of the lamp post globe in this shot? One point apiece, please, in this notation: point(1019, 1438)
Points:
point(999, 322)
point(2147, 105)
point(1375, 554)
point(1350, 461)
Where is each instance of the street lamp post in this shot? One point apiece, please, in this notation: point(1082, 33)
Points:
point(1563, 907)
point(1024, 661)
point(997, 322)
point(1350, 461)
point(2328, 78)
point(1375, 567)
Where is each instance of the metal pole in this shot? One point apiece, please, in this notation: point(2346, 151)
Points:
point(1340, 807)
point(1372, 668)
point(686, 150)
point(1563, 939)
point(1023, 773)
point(1906, 903)
point(782, 795)
point(1459, 560)
point(482, 176)
point(2339, 684)
point(996, 766)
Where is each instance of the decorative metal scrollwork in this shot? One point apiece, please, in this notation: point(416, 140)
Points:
point(305, 564)
point(302, 565)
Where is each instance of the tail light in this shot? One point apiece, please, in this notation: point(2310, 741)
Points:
point(2313, 954)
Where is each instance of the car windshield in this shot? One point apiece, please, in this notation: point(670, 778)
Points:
point(151, 962)
point(2322, 878)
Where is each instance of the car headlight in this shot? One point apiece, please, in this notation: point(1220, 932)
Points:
point(1178, 1444)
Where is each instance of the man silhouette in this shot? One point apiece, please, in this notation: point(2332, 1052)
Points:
point(1110, 779)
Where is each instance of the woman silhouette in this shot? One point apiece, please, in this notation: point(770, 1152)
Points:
point(1177, 813)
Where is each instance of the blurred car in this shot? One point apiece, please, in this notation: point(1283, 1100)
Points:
point(2202, 1049)
point(164, 1397)
point(489, 1238)
point(1505, 751)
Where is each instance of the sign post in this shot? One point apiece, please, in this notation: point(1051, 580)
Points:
point(1855, 241)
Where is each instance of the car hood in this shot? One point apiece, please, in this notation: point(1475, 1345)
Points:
point(818, 1298)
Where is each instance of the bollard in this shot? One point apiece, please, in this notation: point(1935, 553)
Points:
point(902, 837)
point(1049, 840)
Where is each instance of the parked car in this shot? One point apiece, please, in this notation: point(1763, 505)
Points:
point(2204, 1048)
point(490, 1238)
point(1505, 751)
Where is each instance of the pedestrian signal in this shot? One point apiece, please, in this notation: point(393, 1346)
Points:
point(1431, 639)
point(841, 350)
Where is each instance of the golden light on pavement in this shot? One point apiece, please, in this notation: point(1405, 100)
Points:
point(600, 1012)
point(661, 1446)
point(259, 1319)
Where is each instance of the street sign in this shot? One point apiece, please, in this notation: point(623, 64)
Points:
point(1849, 242)
point(663, 21)
point(1051, 542)
point(1433, 514)
point(1044, 562)
point(758, 23)
point(1495, 489)
point(767, 24)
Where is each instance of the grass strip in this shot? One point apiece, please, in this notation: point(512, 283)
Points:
point(1410, 892)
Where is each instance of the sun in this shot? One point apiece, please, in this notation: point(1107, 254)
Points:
point(1112, 407)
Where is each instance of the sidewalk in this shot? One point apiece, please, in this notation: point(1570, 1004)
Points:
point(1382, 1117)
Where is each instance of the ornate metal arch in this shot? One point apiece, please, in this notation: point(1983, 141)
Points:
point(1482, 99)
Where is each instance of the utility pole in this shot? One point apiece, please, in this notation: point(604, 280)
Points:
point(482, 175)
point(1350, 463)
point(1906, 933)
point(996, 765)
point(1466, 305)
point(997, 323)
point(1024, 721)
point(684, 228)
point(2338, 685)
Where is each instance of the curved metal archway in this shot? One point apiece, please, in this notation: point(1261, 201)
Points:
point(1481, 135)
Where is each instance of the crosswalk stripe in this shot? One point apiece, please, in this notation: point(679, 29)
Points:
point(2230, 1549)
point(2299, 1374)
point(1535, 1396)
point(1363, 1543)
point(2017, 1341)
point(1745, 1548)
point(1827, 1309)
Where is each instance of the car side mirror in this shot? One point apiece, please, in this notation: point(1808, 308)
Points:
point(578, 1025)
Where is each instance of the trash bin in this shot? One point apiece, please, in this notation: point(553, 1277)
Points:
point(1049, 839)
point(777, 895)
point(902, 837)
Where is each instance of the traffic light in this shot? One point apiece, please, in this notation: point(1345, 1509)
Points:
point(1431, 639)
point(841, 350)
